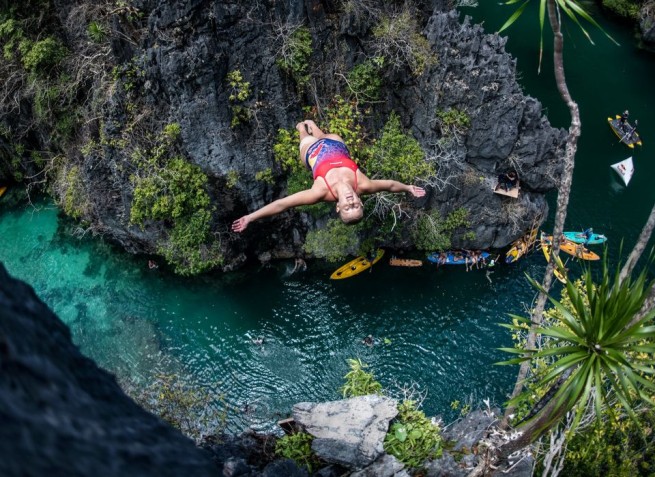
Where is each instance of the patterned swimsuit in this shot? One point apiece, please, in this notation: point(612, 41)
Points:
point(327, 154)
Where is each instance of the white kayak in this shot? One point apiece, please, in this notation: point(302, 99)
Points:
point(624, 169)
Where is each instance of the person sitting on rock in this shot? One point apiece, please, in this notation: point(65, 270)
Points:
point(507, 180)
point(337, 178)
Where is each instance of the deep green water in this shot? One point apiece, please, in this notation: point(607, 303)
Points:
point(440, 325)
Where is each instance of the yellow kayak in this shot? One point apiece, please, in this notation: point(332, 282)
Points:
point(356, 266)
point(3, 189)
point(557, 271)
point(521, 246)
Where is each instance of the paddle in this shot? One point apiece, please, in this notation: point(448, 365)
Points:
point(629, 133)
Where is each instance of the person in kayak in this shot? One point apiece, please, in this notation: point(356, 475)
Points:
point(337, 178)
point(624, 118)
point(587, 235)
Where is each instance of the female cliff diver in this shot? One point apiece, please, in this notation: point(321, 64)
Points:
point(336, 179)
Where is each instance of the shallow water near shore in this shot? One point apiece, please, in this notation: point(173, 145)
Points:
point(266, 338)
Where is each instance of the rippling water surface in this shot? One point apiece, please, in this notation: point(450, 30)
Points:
point(434, 328)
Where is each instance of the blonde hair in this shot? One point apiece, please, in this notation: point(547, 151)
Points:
point(352, 220)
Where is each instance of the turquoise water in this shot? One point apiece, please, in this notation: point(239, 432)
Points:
point(435, 328)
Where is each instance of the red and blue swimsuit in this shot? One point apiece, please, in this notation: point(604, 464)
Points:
point(327, 154)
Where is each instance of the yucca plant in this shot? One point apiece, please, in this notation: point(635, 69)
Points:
point(597, 348)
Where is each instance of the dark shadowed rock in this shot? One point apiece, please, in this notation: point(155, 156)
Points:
point(348, 432)
point(460, 455)
point(647, 22)
point(62, 415)
point(468, 431)
point(385, 466)
point(286, 468)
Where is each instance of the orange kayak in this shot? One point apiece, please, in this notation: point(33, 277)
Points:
point(405, 262)
point(575, 249)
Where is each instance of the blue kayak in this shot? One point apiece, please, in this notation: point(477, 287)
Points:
point(578, 237)
point(452, 257)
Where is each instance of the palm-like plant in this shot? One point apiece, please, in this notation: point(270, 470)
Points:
point(570, 7)
point(597, 349)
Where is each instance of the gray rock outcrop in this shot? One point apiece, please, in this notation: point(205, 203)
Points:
point(460, 457)
point(385, 466)
point(647, 22)
point(349, 432)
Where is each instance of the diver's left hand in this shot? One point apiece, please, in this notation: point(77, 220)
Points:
point(416, 191)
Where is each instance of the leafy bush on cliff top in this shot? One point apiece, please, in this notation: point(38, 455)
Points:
point(334, 242)
point(624, 8)
point(432, 232)
point(397, 155)
point(173, 191)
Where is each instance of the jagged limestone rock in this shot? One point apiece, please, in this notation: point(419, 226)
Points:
point(173, 61)
point(385, 466)
point(647, 22)
point(349, 432)
point(62, 415)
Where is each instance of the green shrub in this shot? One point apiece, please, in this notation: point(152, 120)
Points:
point(365, 79)
point(190, 248)
point(453, 121)
point(172, 132)
point(97, 32)
point(11, 34)
point(413, 438)
point(240, 89)
point(239, 93)
point(334, 242)
point(172, 190)
point(297, 447)
point(294, 55)
point(358, 381)
point(232, 179)
point(624, 8)
point(431, 232)
point(40, 56)
point(265, 176)
point(73, 200)
point(614, 447)
point(397, 155)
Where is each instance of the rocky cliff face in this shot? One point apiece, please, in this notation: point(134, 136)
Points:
point(62, 415)
point(171, 62)
point(647, 22)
